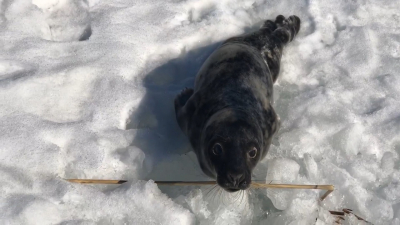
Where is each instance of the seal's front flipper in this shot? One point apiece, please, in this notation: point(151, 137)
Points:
point(181, 114)
point(271, 125)
point(269, 25)
point(183, 97)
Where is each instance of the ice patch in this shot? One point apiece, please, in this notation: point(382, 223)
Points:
point(58, 97)
point(10, 69)
point(67, 20)
point(284, 171)
point(129, 204)
point(41, 212)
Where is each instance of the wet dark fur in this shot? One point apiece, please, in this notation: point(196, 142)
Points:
point(231, 103)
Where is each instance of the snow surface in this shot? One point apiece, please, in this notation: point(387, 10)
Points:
point(86, 91)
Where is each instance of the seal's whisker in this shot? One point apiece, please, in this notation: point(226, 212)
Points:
point(215, 192)
point(251, 191)
point(223, 197)
point(207, 190)
point(210, 189)
point(240, 195)
point(226, 198)
point(241, 199)
point(237, 195)
point(211, 196)
point(248, 199)
point(220, 195)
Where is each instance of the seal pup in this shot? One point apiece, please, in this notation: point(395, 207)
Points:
point(228, 116)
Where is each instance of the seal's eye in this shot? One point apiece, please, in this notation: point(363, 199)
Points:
point(252, 153)
point(217, 149)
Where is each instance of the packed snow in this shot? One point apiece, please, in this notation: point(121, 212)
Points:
point(87, 89)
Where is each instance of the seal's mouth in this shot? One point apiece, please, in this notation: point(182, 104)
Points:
point(232, 189)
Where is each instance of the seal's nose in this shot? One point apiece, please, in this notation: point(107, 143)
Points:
point(235, 178)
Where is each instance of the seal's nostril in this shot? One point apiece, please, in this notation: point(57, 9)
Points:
point(244, 185)
point(232, 179)
point(235, 179)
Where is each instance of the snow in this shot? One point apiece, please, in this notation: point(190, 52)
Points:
point(86, 91)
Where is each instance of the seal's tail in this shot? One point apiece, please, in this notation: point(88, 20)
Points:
point(286, 29)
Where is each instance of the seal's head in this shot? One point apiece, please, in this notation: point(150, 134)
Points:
point(231, 148)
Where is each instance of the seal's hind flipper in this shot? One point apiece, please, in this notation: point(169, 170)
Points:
point(270, 40)
point(287, 28)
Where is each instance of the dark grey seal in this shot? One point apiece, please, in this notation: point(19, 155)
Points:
point(228, 116)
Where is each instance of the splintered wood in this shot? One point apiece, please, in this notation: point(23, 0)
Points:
point(328, 188)
point(341, 214)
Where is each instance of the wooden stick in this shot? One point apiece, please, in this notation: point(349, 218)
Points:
point(337, 213)
point(293, 186)
point(91, 181)
point(326, 194)
point(253, 185)
point(329, 188)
